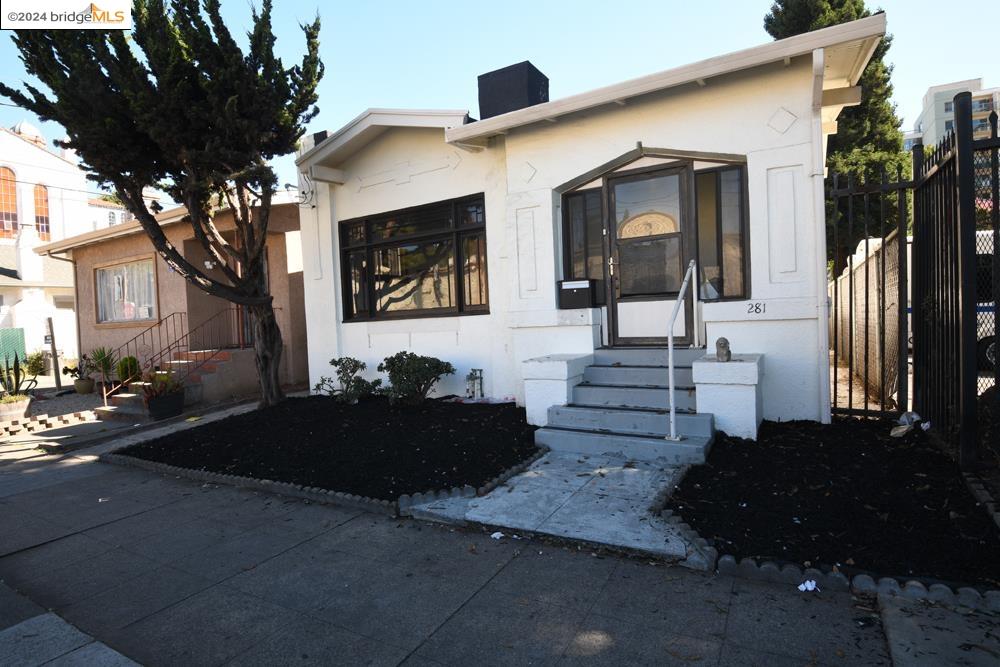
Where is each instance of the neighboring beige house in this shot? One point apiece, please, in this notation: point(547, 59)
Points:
point(130, 300)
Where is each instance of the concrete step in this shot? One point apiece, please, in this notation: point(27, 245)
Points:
point(690, 450)
point(201, 355)
point(625, 420)
point(646, 356)
point(633, 397)
point(185, 365)
point(126, 413)
point(127, 398)
point(636, 375)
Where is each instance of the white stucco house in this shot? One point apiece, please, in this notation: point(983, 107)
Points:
point(546, 242)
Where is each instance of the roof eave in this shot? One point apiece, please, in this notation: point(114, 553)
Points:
point(373, 122)
point(869, 29)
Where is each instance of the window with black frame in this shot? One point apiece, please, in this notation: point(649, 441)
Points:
point(584, 235)
point(719, 198)
point(419, 262)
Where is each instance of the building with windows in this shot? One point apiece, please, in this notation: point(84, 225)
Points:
point(44, 196)
point(131, 301)
point(937, 117)
point(547, 242)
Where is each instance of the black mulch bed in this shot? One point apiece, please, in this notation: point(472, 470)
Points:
point(370, 449)
point(844, 495)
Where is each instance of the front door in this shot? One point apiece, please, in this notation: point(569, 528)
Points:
point(649, 246)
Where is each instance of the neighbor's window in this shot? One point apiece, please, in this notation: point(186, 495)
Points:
point(8, 204)
point(42, 212)
point(721, 241)
point(126, 292)
point(427, 260)
point(584, 251)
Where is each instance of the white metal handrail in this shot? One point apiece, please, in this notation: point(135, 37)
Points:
point(670, 349)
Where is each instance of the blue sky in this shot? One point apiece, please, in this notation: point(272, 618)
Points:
point(427, 54)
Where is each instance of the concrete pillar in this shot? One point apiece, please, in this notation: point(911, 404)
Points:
point(731, 391)
point(549, 381)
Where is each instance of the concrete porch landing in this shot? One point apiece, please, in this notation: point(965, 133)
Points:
point(600, 499)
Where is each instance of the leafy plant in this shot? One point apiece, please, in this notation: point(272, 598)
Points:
point(127, 369)
point(352, 386)
point(15, 379)
point(160, 383)
point(13, 398)
point(83, 368)
point(412, 376)
point(35, 363)
point(104, 361)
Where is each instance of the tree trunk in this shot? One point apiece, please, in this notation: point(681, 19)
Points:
point(267, 346)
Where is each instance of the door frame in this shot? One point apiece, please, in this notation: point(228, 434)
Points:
point(689, 248)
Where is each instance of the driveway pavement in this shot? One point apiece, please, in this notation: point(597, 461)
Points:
point(170, 572)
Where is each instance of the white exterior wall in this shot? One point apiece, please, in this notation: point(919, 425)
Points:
point(69, 215)
point(766, 114)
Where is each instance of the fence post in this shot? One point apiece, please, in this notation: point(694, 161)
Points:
point(918, 288)
point(968, 363)
point(903, 296)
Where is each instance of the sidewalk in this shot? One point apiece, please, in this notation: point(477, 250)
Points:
point(167, 571)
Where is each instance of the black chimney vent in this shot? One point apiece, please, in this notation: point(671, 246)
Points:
point(511, 88)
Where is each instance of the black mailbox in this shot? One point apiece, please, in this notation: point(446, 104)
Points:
point(577, 293)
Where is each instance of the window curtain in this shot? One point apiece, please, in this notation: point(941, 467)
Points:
point(126, 292)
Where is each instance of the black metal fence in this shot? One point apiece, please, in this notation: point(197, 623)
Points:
point(951, 309)
point(945, 279)
point(868, 292)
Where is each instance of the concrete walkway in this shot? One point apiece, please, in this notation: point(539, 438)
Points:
point(925, 634)
point(603, 500)
point(30, 636)
point(170, 572)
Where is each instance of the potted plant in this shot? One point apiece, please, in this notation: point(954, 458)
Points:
point(163, 395)
point(82, 382)
point(127, 370)
point(15, 383)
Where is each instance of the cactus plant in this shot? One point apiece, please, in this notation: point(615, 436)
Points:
point(15, 380)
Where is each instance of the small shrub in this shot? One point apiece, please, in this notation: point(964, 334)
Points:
point(412, 376)
point(127, 369)
point(352, 386)
point(34, 364)
point(12, 398)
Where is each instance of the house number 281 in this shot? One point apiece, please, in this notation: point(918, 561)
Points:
point(756, 308)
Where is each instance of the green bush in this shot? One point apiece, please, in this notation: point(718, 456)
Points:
point(34, 364)
point(128, 369)
point(351, 387)
point(412, 376)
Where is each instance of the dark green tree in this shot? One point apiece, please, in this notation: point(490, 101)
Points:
point(178, 104)
point(868, 137)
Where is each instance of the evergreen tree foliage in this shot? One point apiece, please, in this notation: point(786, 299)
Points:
point(868, 138)
point(178, 104)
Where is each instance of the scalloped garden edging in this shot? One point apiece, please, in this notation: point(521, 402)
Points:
point(769, 571)
point(288, 489)
point(977, 487)
point(407, 501)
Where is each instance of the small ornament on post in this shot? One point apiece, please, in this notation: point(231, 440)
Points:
point(722, 351)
